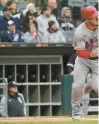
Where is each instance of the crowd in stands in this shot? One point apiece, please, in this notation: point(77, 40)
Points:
point(30, 26)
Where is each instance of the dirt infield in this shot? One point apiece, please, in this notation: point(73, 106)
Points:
point(45, 119)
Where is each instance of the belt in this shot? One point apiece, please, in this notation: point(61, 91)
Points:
point(93, 58)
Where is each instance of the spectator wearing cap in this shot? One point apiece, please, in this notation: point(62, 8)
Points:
point(32, 36)
point(3, 3)
point(43, 20)
point(53, 34)
point(16, 102)
point(5, 18)
point(66, 23)
point(12, 34)
point(29, 19)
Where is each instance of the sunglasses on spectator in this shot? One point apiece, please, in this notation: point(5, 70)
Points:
point(12, 9)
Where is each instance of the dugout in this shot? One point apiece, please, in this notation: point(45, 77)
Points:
point(37, 69)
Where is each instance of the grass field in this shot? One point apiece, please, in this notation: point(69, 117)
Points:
point(65, 122)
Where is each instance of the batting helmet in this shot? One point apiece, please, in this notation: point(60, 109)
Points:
point(89, 12)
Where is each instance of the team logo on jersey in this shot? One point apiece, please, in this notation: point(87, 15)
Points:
point(91, 43)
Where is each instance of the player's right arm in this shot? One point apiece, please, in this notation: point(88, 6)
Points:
point(85, 54)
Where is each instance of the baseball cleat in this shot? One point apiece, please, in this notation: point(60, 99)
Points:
point(76, 118)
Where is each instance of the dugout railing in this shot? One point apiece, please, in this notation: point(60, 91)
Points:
point(3, 96)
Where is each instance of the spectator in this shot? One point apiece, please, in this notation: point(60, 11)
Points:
point(12, 6)
point(2, 5)
point(32, 36)
point(16, 103)
point(11, 34)
point(31, 8)
point(53, 34)
point(5, 18)
point(66, 23)
point(29, 19)
point(43, 20)
point(53, 7)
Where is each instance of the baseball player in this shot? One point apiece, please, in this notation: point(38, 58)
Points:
point(86, 46)
point(85, 98)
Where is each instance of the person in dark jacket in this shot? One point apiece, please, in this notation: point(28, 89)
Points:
point(66, 23)
point(29, 11)
point(6, 17)
point(71, 63)
point(12, 34)
point(16, 103)
point(28, 20)
point(66, 20)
